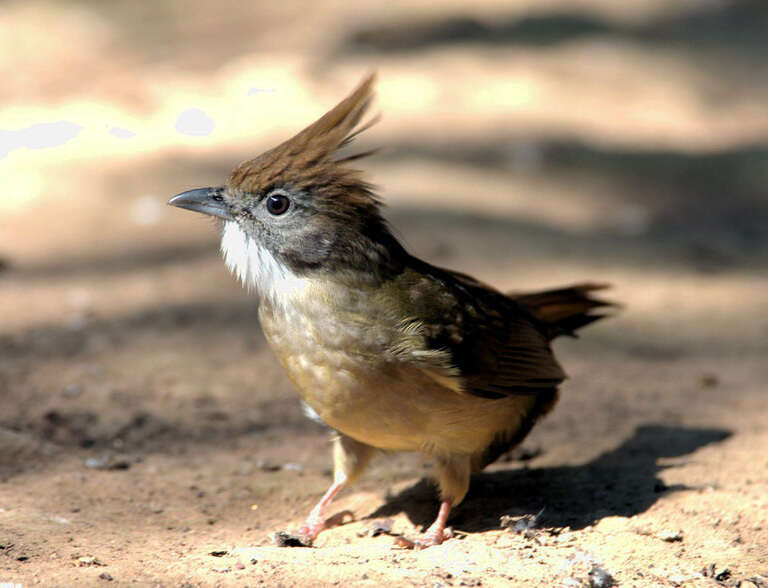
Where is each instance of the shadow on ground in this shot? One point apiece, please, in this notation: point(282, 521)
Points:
point(58, 341)
point(622, 482)
point(736, 28)
point(710, 206)
point(706, 211)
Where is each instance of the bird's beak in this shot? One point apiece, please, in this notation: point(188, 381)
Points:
point(206, 200)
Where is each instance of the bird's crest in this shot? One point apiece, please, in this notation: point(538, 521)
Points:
point(307, 157)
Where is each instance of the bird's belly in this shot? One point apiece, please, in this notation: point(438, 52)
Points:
point(362, 392)
point(401, 409)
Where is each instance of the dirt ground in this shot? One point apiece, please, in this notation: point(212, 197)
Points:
point(147, 434)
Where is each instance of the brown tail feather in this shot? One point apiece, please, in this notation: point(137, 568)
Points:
point(564, 309)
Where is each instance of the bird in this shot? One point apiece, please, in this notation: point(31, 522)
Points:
point(389, 351)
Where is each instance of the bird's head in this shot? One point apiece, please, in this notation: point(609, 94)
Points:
point(300, 211)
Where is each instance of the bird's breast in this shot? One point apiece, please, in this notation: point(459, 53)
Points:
point(323, 340)
point(340, 360)
point(337, 358)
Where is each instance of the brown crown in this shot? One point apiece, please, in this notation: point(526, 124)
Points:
point(307, 158)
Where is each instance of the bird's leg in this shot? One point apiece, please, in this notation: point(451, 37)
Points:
point(435, 534)
point(316, 520)
point(452, 474)
point(350, 458)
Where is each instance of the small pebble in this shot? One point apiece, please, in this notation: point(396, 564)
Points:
point(599, 577)
point(106, 462)
point(72, 391)
point(381, 527)
point(670, 536)
point(283, 539)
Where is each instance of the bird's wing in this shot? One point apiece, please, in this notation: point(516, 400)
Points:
point(518, 360)
point(480, 340)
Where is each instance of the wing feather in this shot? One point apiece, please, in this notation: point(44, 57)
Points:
point(500, 348)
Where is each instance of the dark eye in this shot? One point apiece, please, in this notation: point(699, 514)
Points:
point(277, 204)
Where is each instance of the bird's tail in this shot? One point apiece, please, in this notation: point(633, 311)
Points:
point(564, 310)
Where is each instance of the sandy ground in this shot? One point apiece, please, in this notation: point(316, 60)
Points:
point(148, 436)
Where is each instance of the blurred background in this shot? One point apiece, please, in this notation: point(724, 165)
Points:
point(534, 142)
point(529, 143)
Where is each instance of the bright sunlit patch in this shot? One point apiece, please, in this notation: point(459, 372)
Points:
point(146, 210)
point(414, 92)
point(253, 90)
point(21, 189)
point(121, 133)
point(38, 136)
point(195, 123)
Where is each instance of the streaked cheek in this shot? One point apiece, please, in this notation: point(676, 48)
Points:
point(310, 248)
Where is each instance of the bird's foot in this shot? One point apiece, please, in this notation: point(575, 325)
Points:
point(314, 525)
point(311, 528)
point(437, 532)
point(431, 537)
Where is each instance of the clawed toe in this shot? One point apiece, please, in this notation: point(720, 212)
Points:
point(310, 530)
point(429, 539)
point(312, 527)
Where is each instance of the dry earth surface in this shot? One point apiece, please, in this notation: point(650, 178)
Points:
point(148, 436)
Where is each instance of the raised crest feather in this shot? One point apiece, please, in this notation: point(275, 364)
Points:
point(312, 149)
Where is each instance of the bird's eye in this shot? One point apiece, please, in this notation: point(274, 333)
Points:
point(277, 204)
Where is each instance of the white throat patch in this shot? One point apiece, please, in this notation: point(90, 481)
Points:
point(257, 268)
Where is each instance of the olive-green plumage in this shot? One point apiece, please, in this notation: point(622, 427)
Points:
point(390, 351)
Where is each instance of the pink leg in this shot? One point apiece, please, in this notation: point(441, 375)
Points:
point(434, 535)
point(436, 532)
point(316, 520)
point(349, 460)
